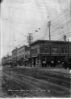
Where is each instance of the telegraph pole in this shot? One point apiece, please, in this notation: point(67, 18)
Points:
point(29, 42)
point(49, 25)
point(68, 48)
point(65, 38)
point(30, 38)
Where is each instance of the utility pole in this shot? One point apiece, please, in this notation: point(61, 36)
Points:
point(68, 48)
point(29, 42)
point(30, 39)
point(16, 49)
point(67, 60)
point(65, 38)
point(49, 24)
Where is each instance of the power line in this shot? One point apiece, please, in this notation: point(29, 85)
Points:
point(61, 27)
point(38, 6)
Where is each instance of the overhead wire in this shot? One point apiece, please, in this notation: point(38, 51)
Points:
point(60, 26)
point(22, 23)
point(37, 3)
point(56, 19)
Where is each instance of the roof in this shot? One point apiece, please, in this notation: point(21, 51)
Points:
point(47, 41)
point(24, 46)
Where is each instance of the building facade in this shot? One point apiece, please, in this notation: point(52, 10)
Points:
point(19, 55)
point(41, 53)
point(7, 60)
point(45, 52)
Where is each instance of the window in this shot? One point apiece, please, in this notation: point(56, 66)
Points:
point(44, 49)
point(54, 50)
point(64, 50)
point(34, 51)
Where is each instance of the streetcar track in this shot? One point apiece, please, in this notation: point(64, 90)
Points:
point(40, 82)
point(31, 79)
point(30, 85)
point(53, 79)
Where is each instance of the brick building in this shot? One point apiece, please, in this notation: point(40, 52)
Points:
point(41, 53)
point(19, 55)
point(14, 56)
point(7, 60)
point(44, 52)
point(27, 56)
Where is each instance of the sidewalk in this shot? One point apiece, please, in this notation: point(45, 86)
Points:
point(62, 70)
point(58, 70)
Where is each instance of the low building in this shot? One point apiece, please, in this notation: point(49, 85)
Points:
point(14, 56)
point(44, 52)
point(20, 55)
point(3, 61)
point(27, 56)
point(7, 60)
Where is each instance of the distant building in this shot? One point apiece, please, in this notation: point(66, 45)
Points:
point(27, 56)
point(7, 60)
point(19, 55)
point(14, 56)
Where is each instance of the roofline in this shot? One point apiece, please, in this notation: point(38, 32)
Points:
point(49, 41)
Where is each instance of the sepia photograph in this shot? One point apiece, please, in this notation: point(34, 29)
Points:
point(35, 48)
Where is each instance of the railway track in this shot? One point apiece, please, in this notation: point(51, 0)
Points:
point(30, 86)
point(48, 82)
point(52, 77)
point(49, 79)
point(40, 84)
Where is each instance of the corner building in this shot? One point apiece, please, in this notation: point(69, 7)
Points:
point(45, 52)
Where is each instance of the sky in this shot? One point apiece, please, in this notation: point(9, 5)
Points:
point(20, 17)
